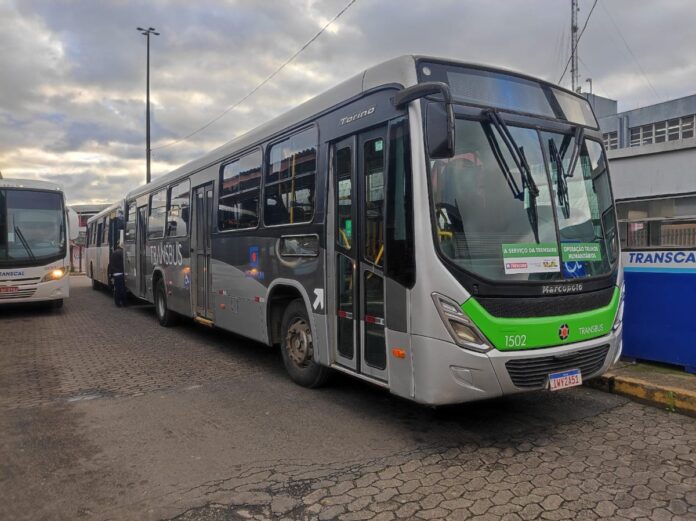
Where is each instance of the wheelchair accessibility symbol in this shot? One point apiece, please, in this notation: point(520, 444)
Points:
point(573, 269)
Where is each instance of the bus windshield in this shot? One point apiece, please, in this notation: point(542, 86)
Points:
point(32, 226)
point(503, 213)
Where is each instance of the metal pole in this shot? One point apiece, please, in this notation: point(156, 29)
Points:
point(147, 112)
point(147, 32)
point(574, 73)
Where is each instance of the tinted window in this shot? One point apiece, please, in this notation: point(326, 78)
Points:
point(158, 210)
point(179, 203)
point(289, 190)
point(130, 223)
point(240, 182)
point(373, 157)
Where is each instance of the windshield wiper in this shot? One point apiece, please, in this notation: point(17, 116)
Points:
point(24, 242)
point(530, 190)
point(515, 151)
point(561, 183)
point(561, 174)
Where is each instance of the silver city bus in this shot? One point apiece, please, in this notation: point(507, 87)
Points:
point(444, 230)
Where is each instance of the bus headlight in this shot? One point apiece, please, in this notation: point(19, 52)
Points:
point(56, 274)
point(618, 321)
point(460, 327)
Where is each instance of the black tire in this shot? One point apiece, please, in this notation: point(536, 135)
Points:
point(95, 284)
point(166, 317)
point(58, 304)
point(296, 346)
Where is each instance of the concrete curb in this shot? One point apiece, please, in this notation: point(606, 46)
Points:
point(672, 399)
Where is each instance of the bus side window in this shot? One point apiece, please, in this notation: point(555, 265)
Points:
point(158, 211)
point(100, 225)
point(401, 258)
point(240, 182)
point(178, 213)
point(130, 223)
point(289, 190)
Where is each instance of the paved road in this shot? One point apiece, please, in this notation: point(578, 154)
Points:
point(106, 415)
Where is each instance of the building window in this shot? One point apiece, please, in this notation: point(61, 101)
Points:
point(673, 129)
point(158, 211)
point(687, 127)
point(289, 189)
point(647, 132)
point(635, 136)
point(178, 215)
point(660, 132)
point(238, 206)
point(611, 140)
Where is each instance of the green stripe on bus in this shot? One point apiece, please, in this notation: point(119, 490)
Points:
point(511, 334)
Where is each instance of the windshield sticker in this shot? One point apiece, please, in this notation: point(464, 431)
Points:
point(581, 251)
point(531, 258)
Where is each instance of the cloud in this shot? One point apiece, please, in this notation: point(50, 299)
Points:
point(73, 71)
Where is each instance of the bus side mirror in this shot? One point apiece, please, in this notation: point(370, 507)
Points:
point(439, 130)
point(439, 116)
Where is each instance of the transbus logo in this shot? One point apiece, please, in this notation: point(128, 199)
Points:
point(563, 331)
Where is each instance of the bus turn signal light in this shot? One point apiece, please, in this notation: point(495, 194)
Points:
point(398, 353)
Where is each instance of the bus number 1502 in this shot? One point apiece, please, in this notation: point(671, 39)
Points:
point(515, 340)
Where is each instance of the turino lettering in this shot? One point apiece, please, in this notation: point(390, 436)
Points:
point(167, 254)
point(357, 115)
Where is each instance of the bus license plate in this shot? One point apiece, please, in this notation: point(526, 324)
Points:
point(8, 289)
point(570, 378)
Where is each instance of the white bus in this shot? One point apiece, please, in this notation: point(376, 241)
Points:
point(103, 232)
point(444, 230)
point(34, 232)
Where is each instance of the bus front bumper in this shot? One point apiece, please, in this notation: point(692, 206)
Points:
point(445, 373)
point(38, 292)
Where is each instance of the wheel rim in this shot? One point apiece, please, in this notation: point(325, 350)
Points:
point(298, 342)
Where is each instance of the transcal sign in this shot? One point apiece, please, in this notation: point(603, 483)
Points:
point(660, 261)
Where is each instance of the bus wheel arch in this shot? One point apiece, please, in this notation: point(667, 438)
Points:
point(165, 316)
point(279, 298)
point(95, 284)
point(290, 327)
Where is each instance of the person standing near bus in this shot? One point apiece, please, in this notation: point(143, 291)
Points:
point(116, 271)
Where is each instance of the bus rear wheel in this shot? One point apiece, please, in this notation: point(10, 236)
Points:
point(166, 317)
point(297, 348)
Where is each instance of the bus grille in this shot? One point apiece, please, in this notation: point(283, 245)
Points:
point(533, 372)
point(22, 293)
point(526, 307)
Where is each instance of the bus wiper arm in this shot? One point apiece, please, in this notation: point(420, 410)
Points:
point(561, 183)
point(579, 140)
point(24, 242)
point(517, 193)
point(515, 151)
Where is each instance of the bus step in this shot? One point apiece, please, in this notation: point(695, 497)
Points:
point(202, 320)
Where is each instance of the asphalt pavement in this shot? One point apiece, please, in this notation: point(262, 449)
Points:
point(106, 415)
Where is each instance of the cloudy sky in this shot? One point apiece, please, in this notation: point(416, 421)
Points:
point(72, 72)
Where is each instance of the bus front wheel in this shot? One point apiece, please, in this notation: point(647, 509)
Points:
point(297, 348)
point(165, 316)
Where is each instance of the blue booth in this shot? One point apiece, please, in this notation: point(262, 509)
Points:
point(660, 306)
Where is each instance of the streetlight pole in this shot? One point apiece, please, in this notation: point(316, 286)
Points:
point(147, 32)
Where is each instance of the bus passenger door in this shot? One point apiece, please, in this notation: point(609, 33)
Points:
point(201, 214)
point(359, 167)
point(141, 253)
